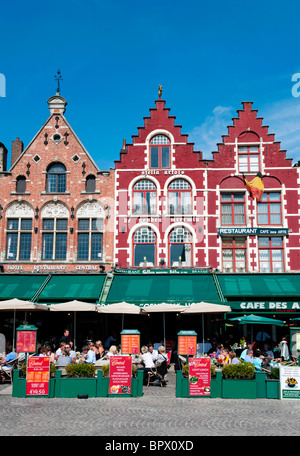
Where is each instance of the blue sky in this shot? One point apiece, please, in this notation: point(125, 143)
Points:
point(113, 54)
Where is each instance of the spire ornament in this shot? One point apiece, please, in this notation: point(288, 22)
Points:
point(58, 78)
point(160, 89)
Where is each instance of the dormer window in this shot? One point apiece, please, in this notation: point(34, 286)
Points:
point(160, 152)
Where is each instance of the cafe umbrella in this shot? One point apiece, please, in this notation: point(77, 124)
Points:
point(119, 308)
point(255, 320)
point(15, 305)
point(73, 306)
point(163, 307)
point(205, 307)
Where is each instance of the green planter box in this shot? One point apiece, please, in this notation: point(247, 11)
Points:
point(272, 389)
point(239, 389)
point(19, 386)
point(70, 387)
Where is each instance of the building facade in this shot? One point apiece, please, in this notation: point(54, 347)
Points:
point(176, 209)
point(56, 204)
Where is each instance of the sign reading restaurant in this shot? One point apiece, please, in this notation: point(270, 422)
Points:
point(255, 231)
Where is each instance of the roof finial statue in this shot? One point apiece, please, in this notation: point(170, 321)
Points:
point(160, 89)
point(58, 78)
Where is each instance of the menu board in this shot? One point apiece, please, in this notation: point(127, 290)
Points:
point(37, 376)
point(26, 341)
point(120, 371)
point(289, 382)
point(187, 345)
point(130, 343)
point(199, 376)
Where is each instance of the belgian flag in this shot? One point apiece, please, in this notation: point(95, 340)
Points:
point(255, 187)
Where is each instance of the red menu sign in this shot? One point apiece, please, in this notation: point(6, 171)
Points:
point(187, 345)
point(37, 376)
point(130, 343)
point(199, 376)
point(26, 341)
point(120, 370)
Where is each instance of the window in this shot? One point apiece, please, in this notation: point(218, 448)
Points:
point(180, 242)
point(233, 208)
point(180, 197)
point(270, 254)
point(248, 159)
point(56, 178)
point(269, 209)
point(160, 152)
point(90, 184)
point(234, 254)
point(90, 239)
point(144, 241)
point(21, 184)
point(144, 197)
point(54, 243)
point(18, 239)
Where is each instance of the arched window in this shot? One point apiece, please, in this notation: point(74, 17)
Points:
point(56, 178)
point(90, 184)
point(180, 247)
point(160, 152)
point(144, 242)
point(21, 184)
point(144, 197)
point(180, 197)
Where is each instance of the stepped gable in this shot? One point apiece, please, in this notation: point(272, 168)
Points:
point(132, 155)
point(249, 128)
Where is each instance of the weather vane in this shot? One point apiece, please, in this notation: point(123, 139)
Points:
point(160, 89)
point(58, 78)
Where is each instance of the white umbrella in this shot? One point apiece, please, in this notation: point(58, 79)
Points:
point(205, 307)
point(163, 307)
point(73, 306)
point(119, 308)
point(20, 304)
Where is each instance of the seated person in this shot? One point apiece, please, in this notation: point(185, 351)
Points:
point(233, 359)
point(154, 353)
point(162, 356)
point(91, 355)
point(3, 363)
point(64, 359)
point(249, 356)
point(146, 360)
point(113, 351)
point(258, 360)
point(244, 352)
point(84, 353)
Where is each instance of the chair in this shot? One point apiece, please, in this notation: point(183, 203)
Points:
point(158, 373)
point(6, 371)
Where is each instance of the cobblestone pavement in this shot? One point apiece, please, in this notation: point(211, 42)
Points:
point(157, 413)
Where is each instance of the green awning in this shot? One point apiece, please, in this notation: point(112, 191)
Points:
point(67, 287)
point(21, 286)
point(259, 286)
point(151, 289)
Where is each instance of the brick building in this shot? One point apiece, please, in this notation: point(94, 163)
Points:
point(174, 208)
point(56, 204)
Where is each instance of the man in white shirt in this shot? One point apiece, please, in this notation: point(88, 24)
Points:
point(154, 353)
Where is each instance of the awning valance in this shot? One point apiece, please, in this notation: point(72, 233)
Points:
point(21, 286)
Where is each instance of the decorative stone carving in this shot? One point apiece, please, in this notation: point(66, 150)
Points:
point(52, 210)
point(90, 209)
point(20, 209)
